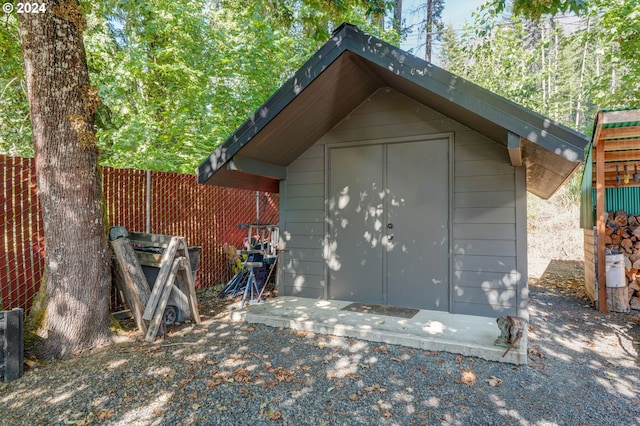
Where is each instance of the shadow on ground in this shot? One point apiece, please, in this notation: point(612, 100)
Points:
point(583, 369)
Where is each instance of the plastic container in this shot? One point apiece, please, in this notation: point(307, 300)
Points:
point(615, 270)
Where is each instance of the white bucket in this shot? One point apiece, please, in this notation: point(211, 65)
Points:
point(615, 270)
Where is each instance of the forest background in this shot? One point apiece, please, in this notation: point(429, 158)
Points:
point(177, 78)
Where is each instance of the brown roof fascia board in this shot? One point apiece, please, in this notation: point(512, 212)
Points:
point(322, 59)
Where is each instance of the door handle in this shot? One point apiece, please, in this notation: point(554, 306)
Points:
point(389, 237)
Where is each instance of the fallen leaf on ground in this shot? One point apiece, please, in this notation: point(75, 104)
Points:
point(535, 351)
point(468, 377)
point(105, 414)
point(30, 363)
point(242, 375)
point(282, 374)
point(274, 415)
point(494, 381)
point(375, 388)
point(382, 349)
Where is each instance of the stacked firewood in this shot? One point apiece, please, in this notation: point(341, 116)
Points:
point(622, 234)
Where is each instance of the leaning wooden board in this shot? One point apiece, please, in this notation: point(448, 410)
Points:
point(166, 265)
point(174, 262)
point(163, 292)
point(130, 280)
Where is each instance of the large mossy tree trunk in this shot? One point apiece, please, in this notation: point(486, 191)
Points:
point(63, 106)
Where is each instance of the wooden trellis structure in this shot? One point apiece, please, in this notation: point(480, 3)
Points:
point(613, 161)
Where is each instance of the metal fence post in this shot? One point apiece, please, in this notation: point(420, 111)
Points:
point(148, 204)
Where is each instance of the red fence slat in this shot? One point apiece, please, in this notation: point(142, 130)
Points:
point(6, 182)
point(206, 216)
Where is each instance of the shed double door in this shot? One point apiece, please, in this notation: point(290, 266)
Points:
point(388, 216)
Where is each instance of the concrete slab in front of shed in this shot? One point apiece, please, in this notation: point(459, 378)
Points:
point(428, 330)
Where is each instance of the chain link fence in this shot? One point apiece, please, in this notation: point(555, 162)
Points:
point(142, 201)
point(21, 233)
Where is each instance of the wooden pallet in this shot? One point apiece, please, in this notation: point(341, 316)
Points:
point(149, 305)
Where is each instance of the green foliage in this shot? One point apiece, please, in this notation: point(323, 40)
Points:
point(506, 62)
point(15, 127)
point(535, 9)
point(618, 42)
point(177, 78)
point(564, 67)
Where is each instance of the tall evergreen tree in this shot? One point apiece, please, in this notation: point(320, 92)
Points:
point(433, 25)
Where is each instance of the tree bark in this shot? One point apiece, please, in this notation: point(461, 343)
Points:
point(397, 16)
point(582, 70)
point(63, 106)
point(429, 33)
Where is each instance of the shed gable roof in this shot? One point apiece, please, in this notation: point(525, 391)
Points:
point(342, 74)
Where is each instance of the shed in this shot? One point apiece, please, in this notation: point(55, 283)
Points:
point(400, 183)
point(610, 183)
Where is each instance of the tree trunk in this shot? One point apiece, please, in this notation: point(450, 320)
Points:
point(63, 106)
point(556, 61)
point(429, 34)
point(543, 67)
point(581, 79)
point(397, 16)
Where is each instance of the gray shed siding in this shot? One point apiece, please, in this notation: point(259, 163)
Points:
point(488, 269)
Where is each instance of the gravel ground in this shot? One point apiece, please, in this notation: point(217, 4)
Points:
point(583, 370)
